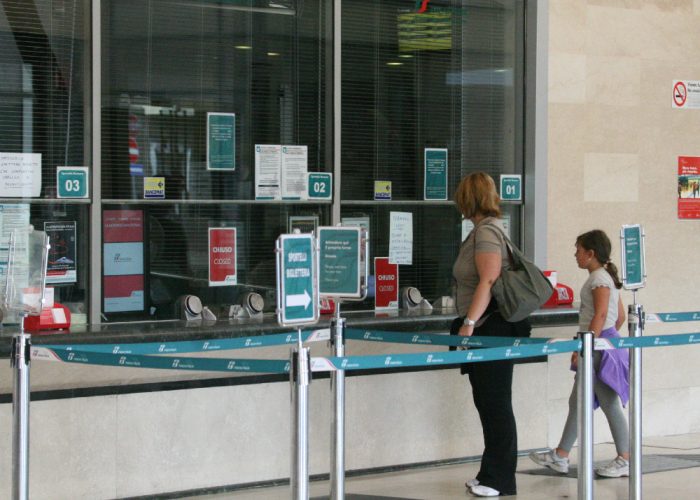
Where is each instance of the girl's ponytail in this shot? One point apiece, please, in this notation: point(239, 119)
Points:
point(612, 271)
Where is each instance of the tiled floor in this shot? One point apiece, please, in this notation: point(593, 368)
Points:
point(444, 483)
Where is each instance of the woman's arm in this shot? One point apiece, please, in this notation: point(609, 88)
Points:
point(601, 297)
point(620, 314)
point(488, 266)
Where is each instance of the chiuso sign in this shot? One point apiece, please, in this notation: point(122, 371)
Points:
point(222, 256)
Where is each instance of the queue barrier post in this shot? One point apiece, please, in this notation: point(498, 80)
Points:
point(300, 377)
point(337, 471)
point(20, 361)
point(635, 329)
point(584, 386)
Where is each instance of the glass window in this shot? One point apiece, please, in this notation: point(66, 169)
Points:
point(166, 65)
point(416, 75)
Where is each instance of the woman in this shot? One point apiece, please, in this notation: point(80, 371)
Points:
point(478, 265)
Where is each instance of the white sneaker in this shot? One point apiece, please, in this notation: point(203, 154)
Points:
point(480, 490)
point(471, 483)
point(550, 459)
point(618, 467)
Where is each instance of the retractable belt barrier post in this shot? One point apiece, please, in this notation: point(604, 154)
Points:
point(585, 416)
point(636, 329)
point(21, 344)
point(300, 377)
point(337, 471)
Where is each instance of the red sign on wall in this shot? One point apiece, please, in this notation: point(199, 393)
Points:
point(222, 256)
point(386, 280)
point(689, 187)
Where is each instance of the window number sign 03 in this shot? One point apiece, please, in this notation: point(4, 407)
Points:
point(72, 182)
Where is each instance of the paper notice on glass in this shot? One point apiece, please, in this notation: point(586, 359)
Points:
point(11, 217)
point(467, 227)
point(20, 175)
point(401, 238)
point(294, 170)
point(267, 171)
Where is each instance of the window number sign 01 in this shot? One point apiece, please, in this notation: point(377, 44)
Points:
point(511, 188)
point(72, 182)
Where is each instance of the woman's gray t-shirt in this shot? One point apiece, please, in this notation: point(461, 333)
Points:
point(489, 239)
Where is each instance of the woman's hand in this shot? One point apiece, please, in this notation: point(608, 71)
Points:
point(466, 331)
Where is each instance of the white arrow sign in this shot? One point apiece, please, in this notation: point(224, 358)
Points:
point(302, 299)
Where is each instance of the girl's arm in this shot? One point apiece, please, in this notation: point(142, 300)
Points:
point(601, 297)
point(488, 265)
point(620, 314)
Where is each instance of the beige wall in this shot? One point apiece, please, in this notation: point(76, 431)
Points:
point(614, 142)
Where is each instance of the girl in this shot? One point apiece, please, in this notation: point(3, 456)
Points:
point(602, 313)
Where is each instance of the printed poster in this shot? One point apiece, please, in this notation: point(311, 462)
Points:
point(401, 238)
point(689, 187)
point(20, 175)
point(268, 158)
point(12, 216)
point(294, 165)
point(222, 256)
point(62, 266)
point(123, 278)
point(435, 174)
point(221, 141)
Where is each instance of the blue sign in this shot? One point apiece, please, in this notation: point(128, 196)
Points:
point(511, 188)
point(297, 279)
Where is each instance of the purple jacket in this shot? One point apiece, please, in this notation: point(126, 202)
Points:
point(614, 370)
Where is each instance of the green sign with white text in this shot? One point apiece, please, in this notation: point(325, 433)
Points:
point(221, 141)
point(511, 188)
point(435, 183)
point(298, 300)
point(72, 182)
point(339, 262)
point(633, 257)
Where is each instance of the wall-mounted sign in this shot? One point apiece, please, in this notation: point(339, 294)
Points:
point(435, 174)
point(633, 263)
point(511, 188)
point(222, 256)
point(221, 141)
point(401, 238)
point(340, 262)
point(20, 175)
point(686, 94)
point(72, 182)
point(689, 187)
point(297, 279)
point(154, 188)
point(382, 190)
point(320, 186)
point(62, 265)
point(386, 284)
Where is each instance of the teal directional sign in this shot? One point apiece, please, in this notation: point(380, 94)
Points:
point(633, 272)
point(320, 186)
point(297, 279)
point(340, 262)
point(72, 182)
point(511, 188)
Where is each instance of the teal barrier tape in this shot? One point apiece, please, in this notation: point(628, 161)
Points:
point(437, 339)
point(206, 345)
point(649, 341)
point(677, 317)
point(443, 357)
point(162, 362)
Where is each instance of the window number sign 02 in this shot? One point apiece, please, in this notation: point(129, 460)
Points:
point(72, 182)
point(320, 186)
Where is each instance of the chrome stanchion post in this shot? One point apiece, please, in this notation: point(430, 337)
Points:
point(636, 329)
point(338, 410)
point(20, 361)
point(300, 376)
point(585, 416)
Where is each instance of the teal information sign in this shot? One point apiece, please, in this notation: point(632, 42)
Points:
point(339, 262)
point(633, 272)
point(511, 188)
point(221, 141)
point(320, 186)
point(72, 182)
point(297, 300)
point(435, 162)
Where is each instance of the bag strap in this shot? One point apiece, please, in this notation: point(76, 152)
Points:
point(514, 256)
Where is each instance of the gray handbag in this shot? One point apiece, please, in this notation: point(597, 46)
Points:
point(520, 289)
